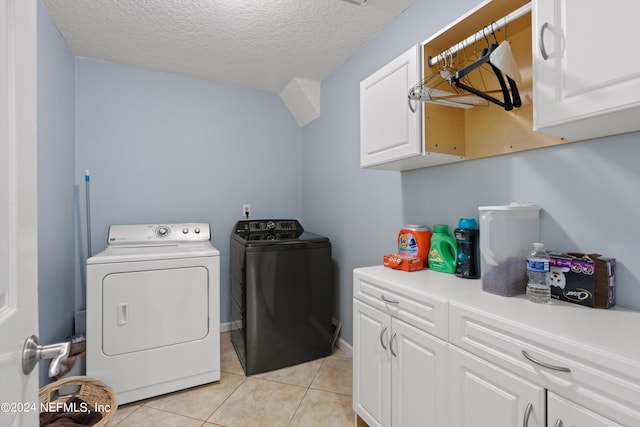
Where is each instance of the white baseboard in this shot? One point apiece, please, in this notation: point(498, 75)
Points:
point(344, 346)
point(225, 327)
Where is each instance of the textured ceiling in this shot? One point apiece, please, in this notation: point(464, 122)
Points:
point(258, 44)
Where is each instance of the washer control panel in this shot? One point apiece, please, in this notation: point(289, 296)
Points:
point(269, 229)
point(154, 234)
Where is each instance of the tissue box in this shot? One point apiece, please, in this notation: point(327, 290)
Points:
point(585, 279)
point(403, 262)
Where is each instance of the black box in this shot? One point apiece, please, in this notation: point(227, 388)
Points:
point(585, 279)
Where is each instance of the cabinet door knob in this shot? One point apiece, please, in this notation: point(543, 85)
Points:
point(391, 344)
point(558, 423)
point(381, 335)
point(543, 51)
point(527, 414)
point(545, 365)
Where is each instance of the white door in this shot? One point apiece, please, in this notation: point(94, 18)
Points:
point(371, 365)
point(586, 77)
point(18, 210)
point(418, 377)
point(482, 394)
point(564, 413)
point(389, 129)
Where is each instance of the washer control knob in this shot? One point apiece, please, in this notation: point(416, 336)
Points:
point(185, 230)
point(197, 230)
point(162, 231)
point(271, 225)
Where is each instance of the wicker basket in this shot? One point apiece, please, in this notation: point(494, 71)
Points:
point(99, 396)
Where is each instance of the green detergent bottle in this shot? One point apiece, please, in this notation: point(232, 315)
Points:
point(443, 251)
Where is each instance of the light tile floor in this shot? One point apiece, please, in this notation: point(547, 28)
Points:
point(317, 393)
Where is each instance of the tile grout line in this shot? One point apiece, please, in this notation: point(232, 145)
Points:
point(306, 393)
point(295, 412)
point(226, 398)
point(132, 412)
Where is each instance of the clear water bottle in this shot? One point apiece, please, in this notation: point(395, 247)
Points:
point(538, 266)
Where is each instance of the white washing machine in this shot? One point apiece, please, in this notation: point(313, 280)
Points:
point(153, 310)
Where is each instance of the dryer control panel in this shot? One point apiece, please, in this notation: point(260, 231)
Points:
point(158, 234)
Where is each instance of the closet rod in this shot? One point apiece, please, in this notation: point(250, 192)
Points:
point(496, 25)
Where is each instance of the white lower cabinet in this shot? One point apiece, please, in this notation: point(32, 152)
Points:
point(399, 371)
point(564, 413)
point(418, 377)
point(483, 394)
point(371, 365)
point(431, 349)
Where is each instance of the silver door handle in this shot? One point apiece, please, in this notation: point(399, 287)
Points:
point(391, 344)
point(543, 51)
point(411, 107)
point(527, 414)
point(545, 365)
point(32, 353)
point(381, 334)
point(390, 301)
point(558, 423)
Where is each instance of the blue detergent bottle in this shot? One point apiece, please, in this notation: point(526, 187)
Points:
point(443, 252)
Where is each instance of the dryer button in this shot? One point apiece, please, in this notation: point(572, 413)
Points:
point(185, 230)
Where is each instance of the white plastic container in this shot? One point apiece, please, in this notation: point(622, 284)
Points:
point(507, 234)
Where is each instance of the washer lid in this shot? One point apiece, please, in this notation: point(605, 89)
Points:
point(150, 253)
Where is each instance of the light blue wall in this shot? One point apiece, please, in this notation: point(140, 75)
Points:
point(588, 190)
point(56, 166)
point(163, 148)
point(361, 210)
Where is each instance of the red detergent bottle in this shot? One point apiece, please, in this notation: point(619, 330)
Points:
point(415, 240)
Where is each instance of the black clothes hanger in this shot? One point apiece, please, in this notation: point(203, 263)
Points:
point(515, 95)
point(507, 104)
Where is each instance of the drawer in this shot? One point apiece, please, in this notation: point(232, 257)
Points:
point(416, 307)
point(602, 381)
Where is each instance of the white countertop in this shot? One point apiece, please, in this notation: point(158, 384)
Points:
point(614, 329)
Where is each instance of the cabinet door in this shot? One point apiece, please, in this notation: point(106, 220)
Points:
point(586, 79)
point(371, 365)
point(482, 394)
point(389, 129)
point(564, 413)
point(418, 377)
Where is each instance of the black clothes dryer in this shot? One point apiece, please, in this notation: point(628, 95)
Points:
point(281, 294)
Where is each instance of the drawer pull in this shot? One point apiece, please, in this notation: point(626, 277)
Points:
point(381, 335)
point(546, 365)
point(391, 344)
point(558, 423)
point(527, 414)
point(390, 301)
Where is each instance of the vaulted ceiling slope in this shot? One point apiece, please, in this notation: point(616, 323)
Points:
point(257, 44)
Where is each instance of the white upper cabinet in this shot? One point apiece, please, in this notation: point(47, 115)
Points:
point(389, 129)
point(390, 126)
point(585, 72)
